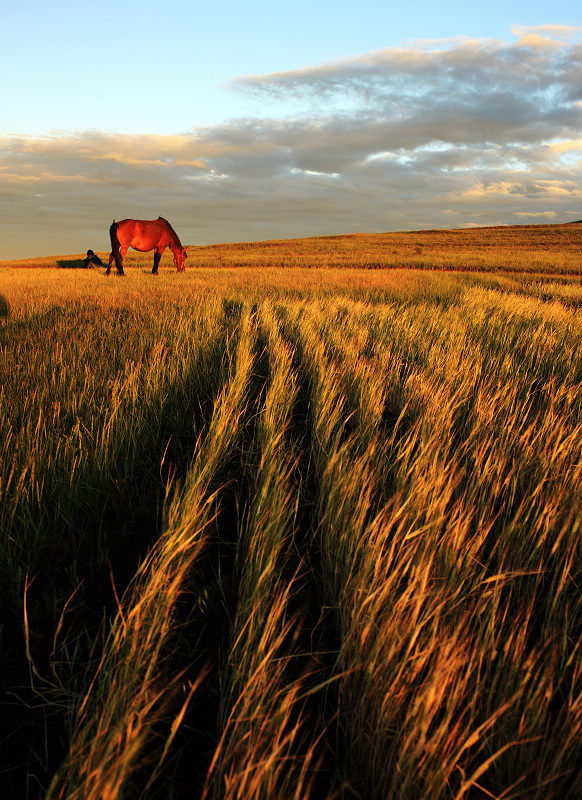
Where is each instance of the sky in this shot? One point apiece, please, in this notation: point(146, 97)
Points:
point(245, 121)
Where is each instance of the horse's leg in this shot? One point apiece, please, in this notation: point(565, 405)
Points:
point(119, 256)
point(157, 257)
point(111, 260)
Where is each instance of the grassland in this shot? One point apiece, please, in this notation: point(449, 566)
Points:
point(271, 530)
point(553, 249)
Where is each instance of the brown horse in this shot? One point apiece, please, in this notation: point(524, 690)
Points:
point(144, 235)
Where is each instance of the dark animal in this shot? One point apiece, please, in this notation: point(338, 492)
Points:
point(144, 235)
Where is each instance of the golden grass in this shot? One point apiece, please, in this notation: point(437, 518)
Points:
point(526, 248)
point(401, 451)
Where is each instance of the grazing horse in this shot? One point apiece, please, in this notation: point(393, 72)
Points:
point(144, 235)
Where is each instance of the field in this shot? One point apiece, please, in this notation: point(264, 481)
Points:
point(301, 522)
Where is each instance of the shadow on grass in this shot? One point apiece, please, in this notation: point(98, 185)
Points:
point(111, 537)
point(73, 263)
point(4, 307)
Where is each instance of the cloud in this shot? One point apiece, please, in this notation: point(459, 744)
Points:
point(550, 215)
point(472, 91)
point(545, 35)
point(449, 133)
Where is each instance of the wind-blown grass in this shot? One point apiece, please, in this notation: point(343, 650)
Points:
point(444, 693)
point(384, 466)
point(262, 751)
point(116, 717)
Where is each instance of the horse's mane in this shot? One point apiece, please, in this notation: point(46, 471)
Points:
point(163, 219)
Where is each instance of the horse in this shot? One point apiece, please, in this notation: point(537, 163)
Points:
point(144, 235)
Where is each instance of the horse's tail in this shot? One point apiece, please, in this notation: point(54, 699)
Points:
point(113, 235)
point(115, 248)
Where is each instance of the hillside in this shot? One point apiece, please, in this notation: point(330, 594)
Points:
point(522, 248)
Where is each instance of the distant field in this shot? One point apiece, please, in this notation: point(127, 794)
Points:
point(298, 532)
point(530, 248)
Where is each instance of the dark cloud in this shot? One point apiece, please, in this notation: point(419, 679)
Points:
point(433, 135)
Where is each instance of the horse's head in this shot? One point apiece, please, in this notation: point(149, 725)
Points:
point(179, 258)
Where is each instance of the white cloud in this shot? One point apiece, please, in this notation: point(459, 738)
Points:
point(553, 32)
point(536, 214)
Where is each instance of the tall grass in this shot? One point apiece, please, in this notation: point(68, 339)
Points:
point(446, 589)
point(265, 749)
point(79, 416)
point(117, 716)
point(402, 454)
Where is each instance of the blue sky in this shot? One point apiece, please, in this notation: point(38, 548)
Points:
point(122, 67)
point(255, 120)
